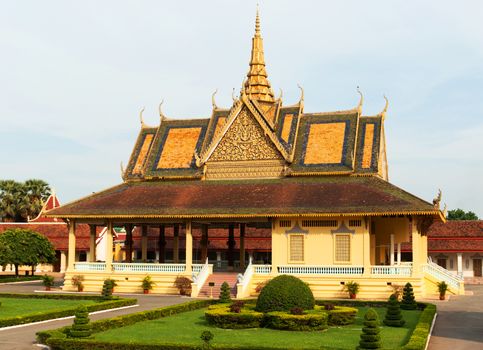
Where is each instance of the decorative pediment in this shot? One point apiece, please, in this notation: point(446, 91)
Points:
point(245, 140)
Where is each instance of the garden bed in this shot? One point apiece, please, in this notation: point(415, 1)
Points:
point(13, 278)
point(180, 326)
point(18, 309)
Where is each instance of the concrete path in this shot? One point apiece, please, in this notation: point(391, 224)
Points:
point(459, 325)
point(23, 338)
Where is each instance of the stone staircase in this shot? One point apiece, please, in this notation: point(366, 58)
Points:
point(474, 280)
point(218, 278)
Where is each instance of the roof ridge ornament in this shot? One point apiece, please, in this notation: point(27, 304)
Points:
point(437, 200)
point(361, 101)
point(302, 94)
point(141, 119)
point(233, 95)
point(281, 95)
point(383, 113)
point(161, 114)
point(213, 103)
point(123, 173)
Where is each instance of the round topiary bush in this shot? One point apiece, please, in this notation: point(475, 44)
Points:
point(284, 293)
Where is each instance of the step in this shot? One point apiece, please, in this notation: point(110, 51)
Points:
point(218, 278)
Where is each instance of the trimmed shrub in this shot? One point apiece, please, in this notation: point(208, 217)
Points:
point(107, 287)
point(329, 306)
point(183, 284)
point(237, 306)
point(206, 336)
point(284, 293)
point(297, 311)
point(393, 313)
point(370, 338)
point(221, 316)
point(341, 316)
point(285, 321)
point(408, 302)
point(225, 293)
point(81, 327)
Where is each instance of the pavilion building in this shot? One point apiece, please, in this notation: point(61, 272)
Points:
point(313, 185)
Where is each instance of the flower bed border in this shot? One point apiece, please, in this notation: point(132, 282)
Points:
point(59, 313)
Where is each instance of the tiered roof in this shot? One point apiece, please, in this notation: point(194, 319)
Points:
point(261, 149)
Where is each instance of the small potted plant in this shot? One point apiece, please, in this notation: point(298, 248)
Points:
point(442, 288)
point(47, 281)
point(77, 282)
point(353, 288)
point(147, 284)
point(183, 284)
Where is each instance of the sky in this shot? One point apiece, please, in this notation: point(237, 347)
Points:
point(75, 74)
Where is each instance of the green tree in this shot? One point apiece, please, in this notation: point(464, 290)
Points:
point(460, 214)
point(225, 295)
point(81, 327)
point(21, 200)
point(25, 247)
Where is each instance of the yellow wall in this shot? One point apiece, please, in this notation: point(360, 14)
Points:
point(319, 244)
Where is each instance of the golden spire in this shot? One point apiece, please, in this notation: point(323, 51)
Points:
point(257, 85)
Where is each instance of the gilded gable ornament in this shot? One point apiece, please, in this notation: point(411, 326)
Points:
point(245, 140)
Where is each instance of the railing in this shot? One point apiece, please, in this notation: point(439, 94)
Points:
point(321, 270)
point(197, 267)
point(442, 274)
point(89, 266)
point(135, 267)
point(262, 269)
point(244, 281)
point(199, 278)
point(401, 270)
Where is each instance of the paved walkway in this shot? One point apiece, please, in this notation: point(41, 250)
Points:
point(459, 325)
point(23, 338)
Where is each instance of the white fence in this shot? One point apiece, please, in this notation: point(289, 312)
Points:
point(401, 270)
point(442, 274)
point(321, 270)
point(89, 266)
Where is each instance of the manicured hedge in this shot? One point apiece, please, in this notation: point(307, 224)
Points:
point(286, 321)
point(68, 311)
point(121, 321)
point(342, 315)
point(50, 296)
point(418, 339)
point(9, 279)
point(220, 316)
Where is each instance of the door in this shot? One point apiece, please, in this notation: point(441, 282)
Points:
point(477, 267)
point(442, 262)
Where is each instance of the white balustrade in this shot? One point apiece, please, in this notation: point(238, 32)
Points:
point(244, 281)
point(321, 270)
point(197, 267)
point(400, 270)
point(442, 274)
point(199, 278)
point(262, 269)
point(137, 267)
point(89, 266)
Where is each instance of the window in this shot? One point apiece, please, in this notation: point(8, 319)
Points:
point(355, 223)
point(285, 223)
point(342, 248)
point(451, 264)
point(296, 248)
point(319, 223)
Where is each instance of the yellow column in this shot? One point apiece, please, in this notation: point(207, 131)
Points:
point(109, 247)
point(189, 248)
point(416, 246)
point(424, 249)
point(71, 253)
point(366, 239)
point(144, 243)
point(92, 243)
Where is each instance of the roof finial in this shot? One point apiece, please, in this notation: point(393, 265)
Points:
point(258, 86)
point(213, 103)
point(383, 113)
point(257, 22)
point(141, 116)
point(233, 95)
point(123, 175)
point(361, 101)
point(281, 95)
point(161, 114)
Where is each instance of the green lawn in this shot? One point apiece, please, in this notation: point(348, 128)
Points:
point(12, 307)
point(187, 327)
